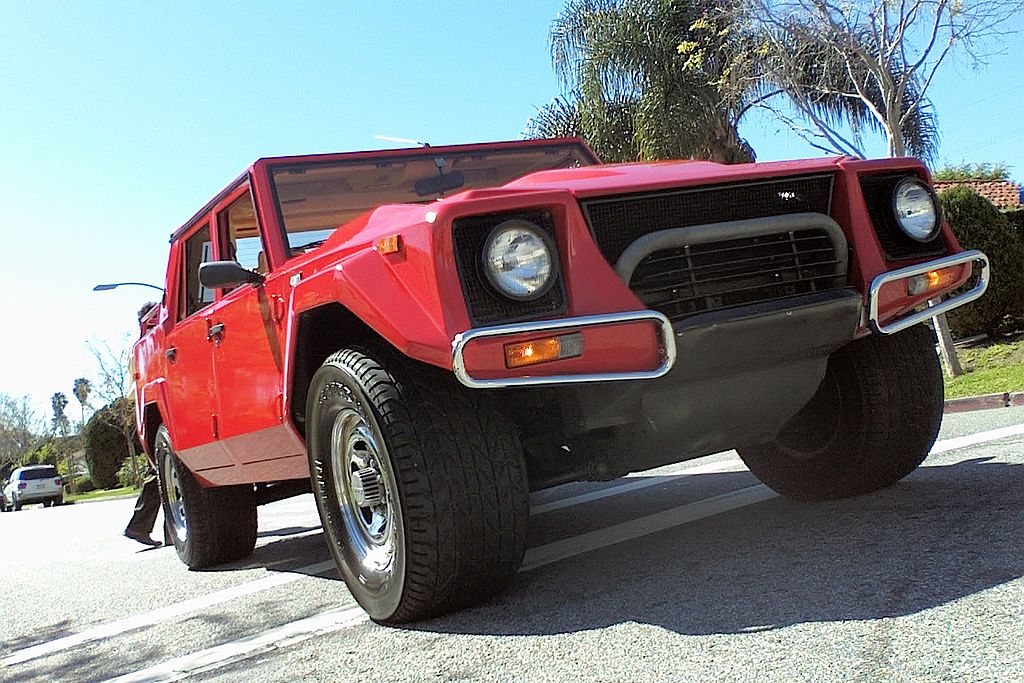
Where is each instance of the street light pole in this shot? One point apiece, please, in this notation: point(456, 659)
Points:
point(114, 285)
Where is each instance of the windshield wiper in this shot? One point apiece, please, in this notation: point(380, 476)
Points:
point(309, 245)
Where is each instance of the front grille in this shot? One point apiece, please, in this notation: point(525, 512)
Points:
point(618, 221)
point(877, 191)
point(687, 280)
point(485, 304)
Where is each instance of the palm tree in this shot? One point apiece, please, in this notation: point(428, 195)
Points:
point(60, 420)
point(633, 94)
point(61, 426)
point(83, 387)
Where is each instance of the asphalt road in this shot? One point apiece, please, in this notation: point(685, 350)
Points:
point(657, 577)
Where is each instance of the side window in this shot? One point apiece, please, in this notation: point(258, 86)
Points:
point(198, 249)
point(241, 234)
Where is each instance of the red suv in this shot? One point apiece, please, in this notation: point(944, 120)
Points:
point(424, 336)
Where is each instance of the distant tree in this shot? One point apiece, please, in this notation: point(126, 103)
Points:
point(46, 453)
point(20, 429)
point(113, 365)
point(629, 93)
point(868, 65)
point(59, 423)
point(61, 426)
point(966, 171)
point(83, 388)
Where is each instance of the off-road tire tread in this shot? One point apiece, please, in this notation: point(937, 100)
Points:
point(891, 412)
point(222, 520)
point(461, 478)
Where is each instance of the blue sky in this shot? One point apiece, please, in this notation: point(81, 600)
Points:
point(119, 119)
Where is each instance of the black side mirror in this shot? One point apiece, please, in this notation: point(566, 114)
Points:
point(224, 274)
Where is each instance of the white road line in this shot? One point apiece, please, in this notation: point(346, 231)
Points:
point(294, 632)
point(975, 439)
point(221, 655)
point(644, 526)
point(538, 556)
point(636, 484)
point(163, 613)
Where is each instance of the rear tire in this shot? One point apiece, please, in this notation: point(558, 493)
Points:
point(208, 526)
point(871, 423)
point(421, 487)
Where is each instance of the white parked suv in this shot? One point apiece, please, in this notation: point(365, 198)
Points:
point(35, 484)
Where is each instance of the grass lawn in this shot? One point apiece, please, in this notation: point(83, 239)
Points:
point(101, 494)
point(993, 367)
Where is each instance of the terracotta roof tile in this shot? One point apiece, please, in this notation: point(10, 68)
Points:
point(1003, 193)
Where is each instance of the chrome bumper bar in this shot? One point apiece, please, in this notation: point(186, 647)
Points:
point(460, 341)
point(974, 256)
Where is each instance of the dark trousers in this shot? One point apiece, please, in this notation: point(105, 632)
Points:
point(146, 507)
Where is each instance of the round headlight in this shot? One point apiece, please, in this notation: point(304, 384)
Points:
point(915, 208)
point(519, 260)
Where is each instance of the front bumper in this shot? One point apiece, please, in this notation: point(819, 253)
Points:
point(592, 324)
point(741, 340)
point(892, 326)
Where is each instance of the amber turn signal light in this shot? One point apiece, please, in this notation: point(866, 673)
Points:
point(932, 281)
point(543, 350)
point(390, 244)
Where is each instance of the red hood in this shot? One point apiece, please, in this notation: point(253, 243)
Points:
point(624, 178)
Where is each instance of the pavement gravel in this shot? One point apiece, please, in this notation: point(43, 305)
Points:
point(921, 582)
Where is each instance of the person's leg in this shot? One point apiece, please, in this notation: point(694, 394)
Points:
point(146, 508)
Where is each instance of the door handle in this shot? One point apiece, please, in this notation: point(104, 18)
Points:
point(215, 331)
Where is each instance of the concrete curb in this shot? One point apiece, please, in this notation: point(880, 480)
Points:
point(1004, 400)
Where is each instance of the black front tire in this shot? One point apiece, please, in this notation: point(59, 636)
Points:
point(444, 525)
point(871, 423)
point(209, 526)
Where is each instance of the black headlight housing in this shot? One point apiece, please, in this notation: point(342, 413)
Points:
point(879, 193)
point(485, 302)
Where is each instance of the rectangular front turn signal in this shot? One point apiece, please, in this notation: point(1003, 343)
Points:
point(391, 244)
point(932, 281)
point(545, 350)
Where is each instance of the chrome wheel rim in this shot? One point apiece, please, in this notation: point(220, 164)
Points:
point(175, 499)
point(364, 488)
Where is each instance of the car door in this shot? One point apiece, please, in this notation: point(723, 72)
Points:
point(248, 348)
point(192, 414)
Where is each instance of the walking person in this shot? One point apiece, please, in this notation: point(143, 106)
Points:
point(148, 504)
point(146, 508)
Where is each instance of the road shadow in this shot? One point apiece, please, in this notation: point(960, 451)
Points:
point(944, 533)
point(83, 664)
point(291, 552)
point(52, 632)
point(287, 531)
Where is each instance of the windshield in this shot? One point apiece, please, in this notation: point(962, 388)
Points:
point(316, 197)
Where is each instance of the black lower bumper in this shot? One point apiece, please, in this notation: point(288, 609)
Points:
point(739, 375)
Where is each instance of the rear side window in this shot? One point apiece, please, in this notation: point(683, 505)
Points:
point(41, 473)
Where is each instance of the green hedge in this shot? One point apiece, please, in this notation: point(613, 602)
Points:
point(978, 224)
point(1016, 218)
point(105, 450)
